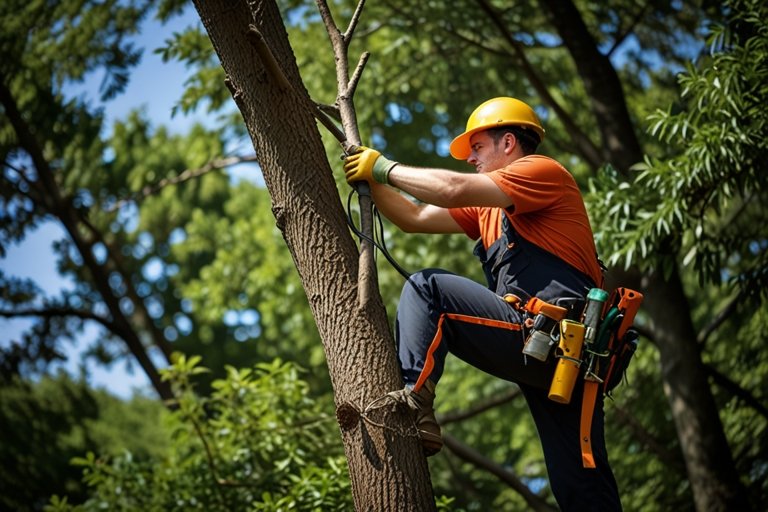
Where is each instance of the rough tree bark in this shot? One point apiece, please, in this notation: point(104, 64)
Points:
point(386, 465)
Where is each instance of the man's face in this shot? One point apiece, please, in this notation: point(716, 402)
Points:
point(488, 155)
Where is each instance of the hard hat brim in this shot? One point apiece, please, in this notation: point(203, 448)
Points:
point(460, 147)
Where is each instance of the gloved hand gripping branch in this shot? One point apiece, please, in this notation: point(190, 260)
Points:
point(366, 164)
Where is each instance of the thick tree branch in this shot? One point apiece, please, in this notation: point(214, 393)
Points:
point(69, 217)
point(116, 262)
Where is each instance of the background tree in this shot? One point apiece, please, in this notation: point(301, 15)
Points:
point(141, 208)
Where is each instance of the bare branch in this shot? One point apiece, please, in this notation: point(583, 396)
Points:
point(265, 54)
point(186, 175)
point(330, 24)
point(736, 390)
point(54, 312)
point(23, 179)
point(367, 285)
point(210, 460)
point(480, 408)
point(331, 111)
point(650, 442)
point(21, 171)
point(356, 75)
point(721, 317)
point(347, 35)
point(621, 36)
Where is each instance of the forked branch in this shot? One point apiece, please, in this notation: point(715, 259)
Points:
point(346, 89)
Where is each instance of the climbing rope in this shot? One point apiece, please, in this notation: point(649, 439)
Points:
point(378, 240)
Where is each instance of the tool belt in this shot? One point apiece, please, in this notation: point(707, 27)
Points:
point(589, 330)
point(596, 345)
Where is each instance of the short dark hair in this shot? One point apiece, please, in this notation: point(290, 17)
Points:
point(529, 140)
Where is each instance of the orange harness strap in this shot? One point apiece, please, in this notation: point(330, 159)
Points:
point(585, 429)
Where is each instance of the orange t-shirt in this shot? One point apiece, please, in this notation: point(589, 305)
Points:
point(547, 210)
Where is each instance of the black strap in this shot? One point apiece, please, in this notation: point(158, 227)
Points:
point(546, 267)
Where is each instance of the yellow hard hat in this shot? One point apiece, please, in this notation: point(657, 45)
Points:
point(493, 113)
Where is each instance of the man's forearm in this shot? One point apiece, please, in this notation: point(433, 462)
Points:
point(448, 189)
point(433, 186)
point(394, 206)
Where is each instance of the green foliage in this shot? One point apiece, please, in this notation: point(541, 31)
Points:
point(258, 442)
point(47, 423)
point(134, 202)
point(91, 34)
point(248, 281)
point(206, 84)
point(43, 427)
point(701, 205)
point(696, 205)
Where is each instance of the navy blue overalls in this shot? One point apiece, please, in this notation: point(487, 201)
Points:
point(440, 312)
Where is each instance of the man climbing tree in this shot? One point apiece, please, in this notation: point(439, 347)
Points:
point(535, 243)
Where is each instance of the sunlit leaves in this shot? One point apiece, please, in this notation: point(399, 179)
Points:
point(700, 206)
point(258, 442)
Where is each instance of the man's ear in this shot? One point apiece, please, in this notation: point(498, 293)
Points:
point(510, 143)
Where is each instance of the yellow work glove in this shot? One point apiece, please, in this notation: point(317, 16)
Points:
point(367, 164)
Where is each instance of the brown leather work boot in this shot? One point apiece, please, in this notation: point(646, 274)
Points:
point(422, 402)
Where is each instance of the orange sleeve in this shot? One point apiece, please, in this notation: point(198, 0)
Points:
point(533, 183)
point(549, 210)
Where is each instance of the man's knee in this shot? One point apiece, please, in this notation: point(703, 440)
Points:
point(423, 284)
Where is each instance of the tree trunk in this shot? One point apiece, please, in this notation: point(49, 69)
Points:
point(602, 83)
point(708, 460)
point(711, 471)
point(386, 465)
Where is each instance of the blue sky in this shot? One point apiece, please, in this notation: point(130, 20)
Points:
point(155, 86)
